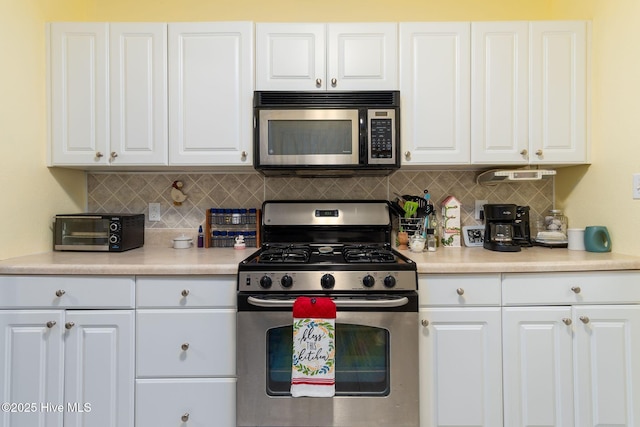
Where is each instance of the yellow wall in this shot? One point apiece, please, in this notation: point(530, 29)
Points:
point(600, 194)
point(31, 193)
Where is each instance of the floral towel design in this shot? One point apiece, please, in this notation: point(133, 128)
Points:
point(314, 351)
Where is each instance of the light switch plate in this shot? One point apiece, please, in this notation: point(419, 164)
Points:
point(479, 208)
point(636, 186)
point(154, 211)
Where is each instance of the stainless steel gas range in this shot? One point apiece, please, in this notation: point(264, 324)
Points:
point(338, 249)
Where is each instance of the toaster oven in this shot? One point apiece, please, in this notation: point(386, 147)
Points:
point(98, 232)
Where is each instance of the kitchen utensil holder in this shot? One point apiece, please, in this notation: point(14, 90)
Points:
point(410, 225)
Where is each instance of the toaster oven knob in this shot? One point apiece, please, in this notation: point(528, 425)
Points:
point(265, 282)
point(389, 282)
point(368, 281)
point(113, 239)
point(286, 281)
point(327, 281)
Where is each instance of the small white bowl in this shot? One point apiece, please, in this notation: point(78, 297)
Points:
point(182, 242)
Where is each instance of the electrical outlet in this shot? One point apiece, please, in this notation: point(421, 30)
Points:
point(636, 186)
point(479, 208)
point(154, 211)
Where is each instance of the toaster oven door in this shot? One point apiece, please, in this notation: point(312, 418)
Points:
point(81, 233)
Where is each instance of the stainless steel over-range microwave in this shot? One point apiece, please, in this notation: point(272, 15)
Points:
point(98, 232)
point(326, 133)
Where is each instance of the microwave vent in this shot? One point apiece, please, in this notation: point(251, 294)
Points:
point(327, 99)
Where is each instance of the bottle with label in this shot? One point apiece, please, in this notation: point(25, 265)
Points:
point(200, 237)
point(431, 243)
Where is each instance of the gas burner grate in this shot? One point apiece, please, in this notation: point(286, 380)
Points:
point(368, 254)
point(281, 254)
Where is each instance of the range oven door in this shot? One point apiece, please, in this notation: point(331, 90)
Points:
point(376, 365)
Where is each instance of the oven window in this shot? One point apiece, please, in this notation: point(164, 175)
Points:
point(362, 360)
point(304, 137)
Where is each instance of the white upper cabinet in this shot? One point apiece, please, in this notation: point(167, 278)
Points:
point(211, 93)
point(79, 98)
point(138, 80)
point(435, 86)
point(336, 56)
point(499, 92)
point(529, 92)
point(558, 104)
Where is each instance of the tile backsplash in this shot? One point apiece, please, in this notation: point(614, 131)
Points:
point(132, 192)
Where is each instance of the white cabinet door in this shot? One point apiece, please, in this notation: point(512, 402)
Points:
point(290, 56)
point(31, 367)
point(192, 402)
point(138, 87)
point(460, 367)
point(538, 366)
point(79, 99)
point(499, 92)
point(607, 354)
point(558, 105)
point(211, 93)
point(310, 56)
point(362, 56)
point(435, 79)
point(99, 368)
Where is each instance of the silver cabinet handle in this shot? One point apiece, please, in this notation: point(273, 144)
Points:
point(243, 155)
point(524, 152)
point(566, 321)
point(407, 155)
point(539, 153)
point(425, 322)
point(576, 289)
point(334, 82)
point(185, 417)
point(50, 324)
point(185, 292)
point(114, 154)
point(99, 154)
point(185, 346)
point(60, 292)
point(584, 319)
point(318, 82)
point(69, 325)
point(460, 291)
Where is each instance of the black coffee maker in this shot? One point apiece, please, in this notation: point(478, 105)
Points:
point(499, 229)
point(521, 227)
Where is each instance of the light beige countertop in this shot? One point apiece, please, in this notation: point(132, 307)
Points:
point(167, 261)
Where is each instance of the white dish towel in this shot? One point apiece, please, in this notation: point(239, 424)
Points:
point(314, 351)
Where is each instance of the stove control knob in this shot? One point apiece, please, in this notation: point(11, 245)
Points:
point(265, 282)
point(327, 281)
point(286, 281)
point(389, 282)
point(368, 281)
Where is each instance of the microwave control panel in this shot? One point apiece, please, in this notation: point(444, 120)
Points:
point(382, 141)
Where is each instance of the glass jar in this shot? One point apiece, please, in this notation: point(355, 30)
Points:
point(556, 221)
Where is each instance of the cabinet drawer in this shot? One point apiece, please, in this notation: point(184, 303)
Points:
point(202, 402)
point(177, 292)
point(66, 292)
point(594, 287)
point(459, 290)
point(186, 343)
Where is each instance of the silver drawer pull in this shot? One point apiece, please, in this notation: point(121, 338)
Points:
point(185, 292)
point(69, 325)
point(425, 322)
point(566, 321)
point(60, 292)
point(185, 417)
point(584, 319)
point(185, 346)
point(50, 324)
point(576, 289)
point(460, 291)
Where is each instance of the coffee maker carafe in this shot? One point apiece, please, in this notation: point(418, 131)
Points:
point(499, 227)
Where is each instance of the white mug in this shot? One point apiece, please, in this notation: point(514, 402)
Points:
point(575, 237)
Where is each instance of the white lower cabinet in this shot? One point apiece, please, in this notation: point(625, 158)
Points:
point(67, 358)
point(460, 351)
point(569, 361)
point(185, 349)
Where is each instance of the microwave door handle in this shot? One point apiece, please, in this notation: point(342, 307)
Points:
point(352, 303)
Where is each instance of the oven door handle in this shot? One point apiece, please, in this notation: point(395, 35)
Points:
point(352, 303)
